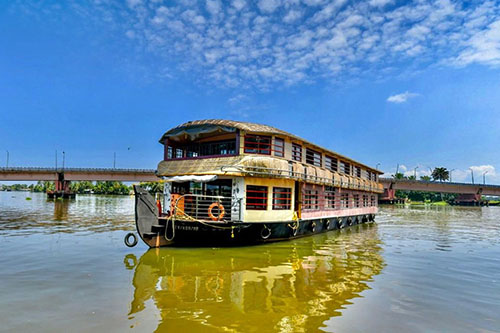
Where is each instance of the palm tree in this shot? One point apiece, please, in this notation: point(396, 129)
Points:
point(399, 175)
point(440, 174)
point(425, 178)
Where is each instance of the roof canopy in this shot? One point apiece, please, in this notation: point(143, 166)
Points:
point(200, 128)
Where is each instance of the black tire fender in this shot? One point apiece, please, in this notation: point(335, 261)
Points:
point(127, 239)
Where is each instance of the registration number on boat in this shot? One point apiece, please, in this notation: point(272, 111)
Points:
point(186, 227)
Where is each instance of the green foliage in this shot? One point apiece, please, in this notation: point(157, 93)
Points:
point(43, 187)
point(153, 187)
point(426, 178)
point(420, 196)
point(110, 188)
point(76, 187)
point(399, 175)
point(82, 187)
point(440, 174)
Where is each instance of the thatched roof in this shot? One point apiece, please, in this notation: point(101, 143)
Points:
point(256, 128)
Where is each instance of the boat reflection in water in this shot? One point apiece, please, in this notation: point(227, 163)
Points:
point(294, 285)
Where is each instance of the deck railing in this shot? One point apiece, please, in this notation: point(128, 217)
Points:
point(209, 208)
point(281, 173)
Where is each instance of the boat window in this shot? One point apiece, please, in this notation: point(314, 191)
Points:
point(344, 200)
point(311, 200)
point(331, 163)
point(356, 200)
point(365, 200)
point(179, 153)
point(358, 172)
point(279, 147)
point(258, 144)
point(256, 197)
point(373, 201)
point(296, 152)
point(330, 196)
point(345, 168)
point(198, 149)
point(282, 198)
point(313, 157)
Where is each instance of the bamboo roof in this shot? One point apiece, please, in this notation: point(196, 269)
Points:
point(262, 129)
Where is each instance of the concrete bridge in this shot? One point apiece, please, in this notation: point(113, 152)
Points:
point(468, 192)
point(75, 174)
point(62, 177)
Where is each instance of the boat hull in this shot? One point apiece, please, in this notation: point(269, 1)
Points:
point(193, 233)
point(158, 231)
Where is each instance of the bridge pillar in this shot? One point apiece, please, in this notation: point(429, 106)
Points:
point(62, 186)
point(62, 189)
point(389, 194)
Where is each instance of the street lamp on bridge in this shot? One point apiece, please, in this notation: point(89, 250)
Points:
point(415, 172)
point(7, 164)
point(472, 175)
point(484, 177)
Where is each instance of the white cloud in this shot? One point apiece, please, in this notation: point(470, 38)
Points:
point(292, 15)
point(277, 43)
point(483, 47)
point(313, 2)
point(239, 4)
point(479, 170)
point(465, 175)
point(268, 6)
point(401, 98)
point(133, 3)
point(213, 6)
point(380, 3)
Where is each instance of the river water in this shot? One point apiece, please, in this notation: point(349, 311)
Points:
point(64, 267)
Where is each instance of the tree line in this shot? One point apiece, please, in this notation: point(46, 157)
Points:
point(438, 174)
point(84, 187)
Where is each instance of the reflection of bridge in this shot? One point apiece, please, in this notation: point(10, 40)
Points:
point(468, 192)
point(63, 176)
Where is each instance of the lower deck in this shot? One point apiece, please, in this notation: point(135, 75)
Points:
point(254, 199)
point(247, 210)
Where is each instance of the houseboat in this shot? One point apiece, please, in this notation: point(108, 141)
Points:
point(233, 183)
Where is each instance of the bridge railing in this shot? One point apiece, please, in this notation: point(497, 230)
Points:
point(410, 181)
point(90, 170)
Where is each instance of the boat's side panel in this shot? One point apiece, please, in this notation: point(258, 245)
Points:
point(269, 214)
point(232, 234)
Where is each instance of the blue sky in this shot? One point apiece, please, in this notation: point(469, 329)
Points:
point(382, 81)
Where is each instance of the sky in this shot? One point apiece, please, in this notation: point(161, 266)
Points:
point(394, 84)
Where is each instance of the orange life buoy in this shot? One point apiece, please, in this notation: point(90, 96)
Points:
point(221, 211)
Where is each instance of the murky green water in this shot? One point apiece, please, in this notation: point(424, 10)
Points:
point(64, 267)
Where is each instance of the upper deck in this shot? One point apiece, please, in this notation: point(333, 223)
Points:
point(225, 147)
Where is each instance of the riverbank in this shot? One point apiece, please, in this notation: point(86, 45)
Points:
point(420, 203)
